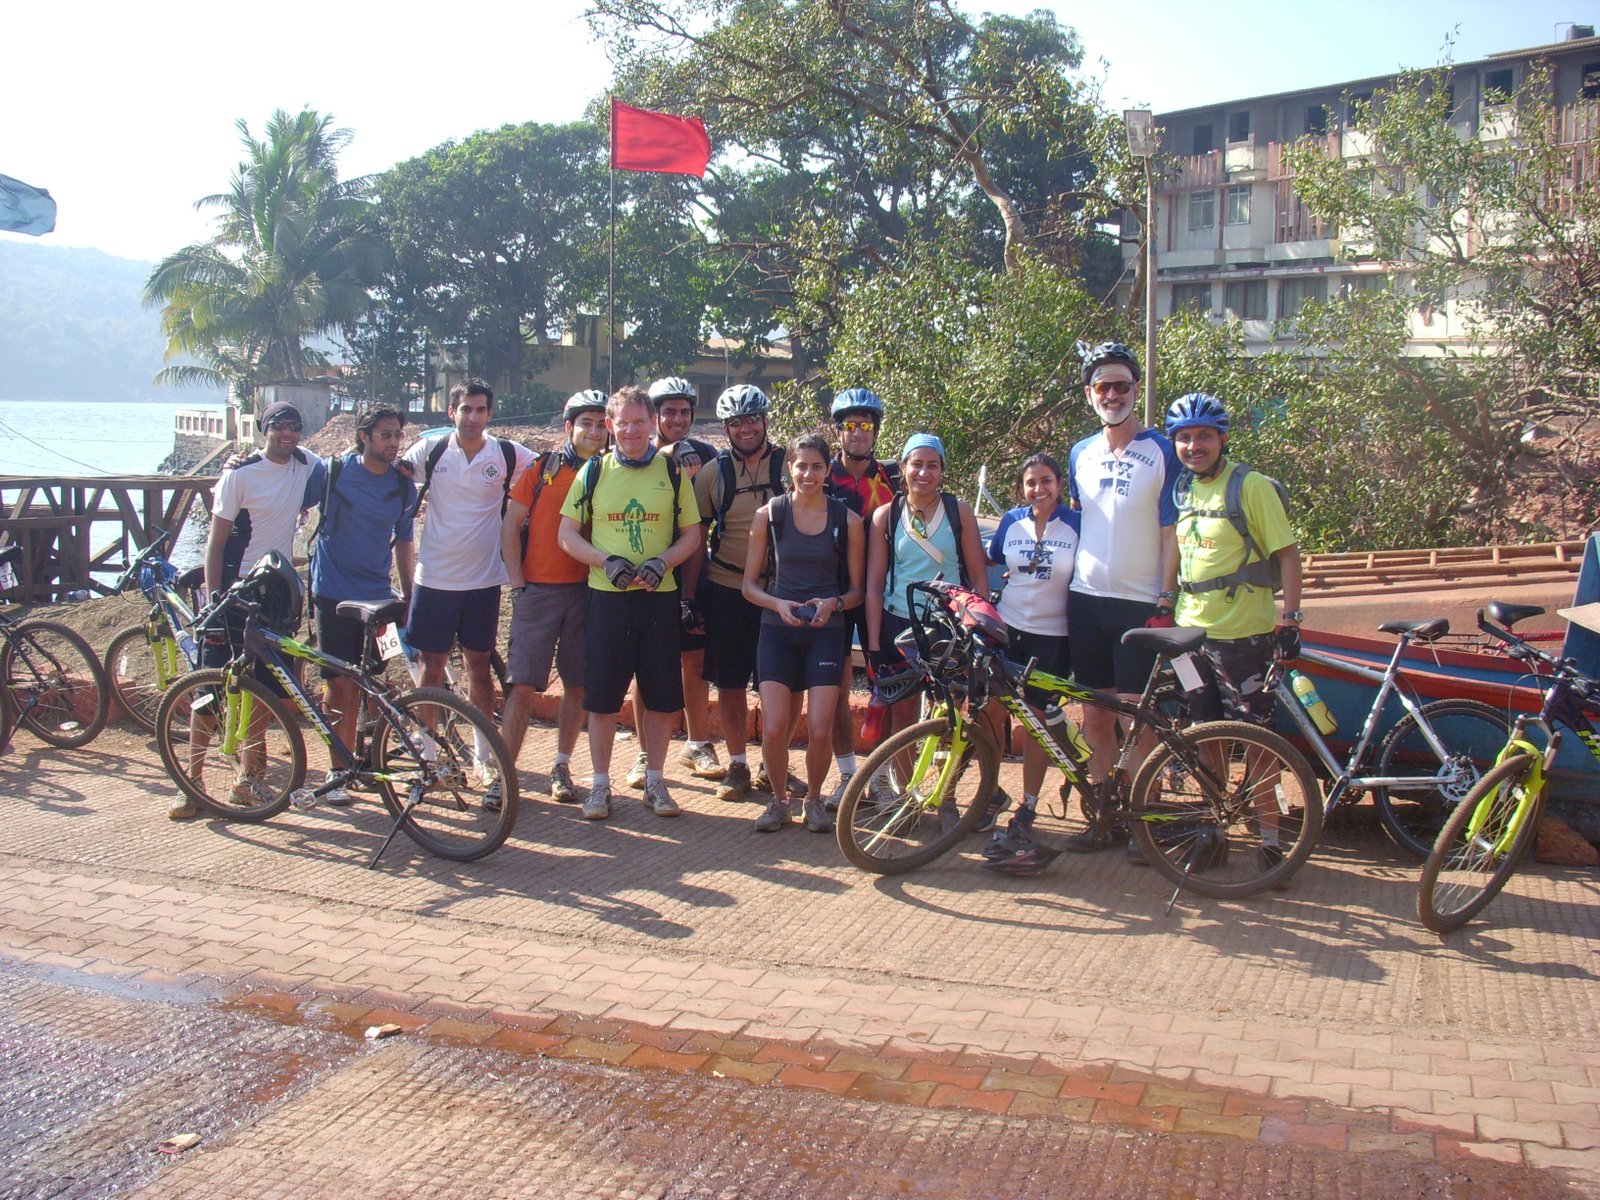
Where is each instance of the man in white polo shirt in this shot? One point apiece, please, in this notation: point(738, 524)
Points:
point(465, 477)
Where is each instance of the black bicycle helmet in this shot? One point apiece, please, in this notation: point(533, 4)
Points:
point(274, 584)
point(1096, 357)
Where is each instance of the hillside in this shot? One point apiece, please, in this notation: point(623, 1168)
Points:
point(72, 327)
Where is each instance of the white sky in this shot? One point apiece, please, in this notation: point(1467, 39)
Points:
point(126, 112)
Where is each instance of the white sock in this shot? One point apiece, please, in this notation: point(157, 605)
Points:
point(705, 745)
point(847, 763)
point(562, 759)
point(602, 781)
point(738, 758)
point(651, 778)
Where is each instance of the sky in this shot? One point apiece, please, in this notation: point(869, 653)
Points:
point(127, 113)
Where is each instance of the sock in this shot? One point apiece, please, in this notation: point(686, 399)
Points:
point(601, 780)
point(562, 759)
point(738, 758)
point(1029, 803)
point(651, 778)
point(847, 763)
point(705, 745)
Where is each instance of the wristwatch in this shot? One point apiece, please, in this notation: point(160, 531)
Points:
point(1170, 597)
point(1296, 615)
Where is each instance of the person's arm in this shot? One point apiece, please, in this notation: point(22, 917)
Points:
point(405, 565)
point(1289, 563)
point(571, 540)
point(856, 549)
point(216, 539)
point(971, 549)
point(755, 565)
point(1169, 563)
point(511, 542)
point(877, 573)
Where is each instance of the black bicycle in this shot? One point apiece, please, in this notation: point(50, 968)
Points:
point(51, 682)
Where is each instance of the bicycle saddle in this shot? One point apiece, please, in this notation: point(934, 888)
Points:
point(191, 579)
point(1168, 643)
point(373, 612)
point(1421, 631)
point(11, 553)
point(1505, 614)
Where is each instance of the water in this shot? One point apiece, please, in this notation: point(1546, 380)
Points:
point(48, 437)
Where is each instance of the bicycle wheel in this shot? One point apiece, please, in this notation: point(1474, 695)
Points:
point(135, 675)
point(57, 687)
point(1231, 812)
point(439, 780)
point(267, 762)
point(935, 800)
point(1413, 814)
point(1467, 867)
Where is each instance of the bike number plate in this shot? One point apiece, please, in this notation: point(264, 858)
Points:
point(389, 642)
point(8, 576)
point(1188, 674)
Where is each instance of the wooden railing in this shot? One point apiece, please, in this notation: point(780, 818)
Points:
point(54, 520)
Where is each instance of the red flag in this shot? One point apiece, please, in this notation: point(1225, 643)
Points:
point(642, 140)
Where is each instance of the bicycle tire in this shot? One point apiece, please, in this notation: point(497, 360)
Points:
point(1218, 846)
point(1460, 879)
point(134, 675)
point(260, 776)
point(58, 689)
point(1474, 732)
point(448, 818)
point(912, 832)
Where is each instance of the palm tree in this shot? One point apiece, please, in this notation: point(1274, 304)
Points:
point(294, 251)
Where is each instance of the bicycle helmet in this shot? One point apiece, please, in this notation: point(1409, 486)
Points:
point(896, 683)
point(274, 584)
point(1106, 352)
point(1197, 411)
point(672, 385)
point(588, 400)
point(742, 400)
point(855, 399)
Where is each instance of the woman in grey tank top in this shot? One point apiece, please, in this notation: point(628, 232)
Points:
point(807, 564)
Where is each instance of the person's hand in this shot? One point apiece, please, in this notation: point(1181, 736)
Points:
point(1162, 619)
point(692, 617)
point(792, 612)
point(618, 570)
point(877, 660)
point(1287, 640)
point(650, 573)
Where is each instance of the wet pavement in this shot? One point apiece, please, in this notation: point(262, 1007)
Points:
point(681, 1008)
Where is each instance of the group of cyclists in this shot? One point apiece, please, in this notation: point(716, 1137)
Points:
point(643, 560)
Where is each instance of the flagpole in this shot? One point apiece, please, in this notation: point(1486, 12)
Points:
point(611, 287)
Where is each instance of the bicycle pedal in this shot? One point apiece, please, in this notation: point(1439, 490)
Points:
point(304, 799)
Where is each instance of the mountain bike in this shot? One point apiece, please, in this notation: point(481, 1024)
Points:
point(236, 749)
point(1222, 809)
point(142, 660)
point(1496, 823)
point(50, 678)
point(1417, 773)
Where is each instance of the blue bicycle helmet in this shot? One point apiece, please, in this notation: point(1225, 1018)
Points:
point(857, 399)
point(1197, 411)
point(1105, 353)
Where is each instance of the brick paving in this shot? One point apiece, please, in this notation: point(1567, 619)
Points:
point(1322, 1017)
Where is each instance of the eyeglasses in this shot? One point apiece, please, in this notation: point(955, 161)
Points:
point(861, 426)
point(286, 426)
point(1120, 386)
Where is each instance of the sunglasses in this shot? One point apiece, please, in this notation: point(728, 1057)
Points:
point(862, 426)
point(1120, 386)
point(289, 426)
point(739, 422)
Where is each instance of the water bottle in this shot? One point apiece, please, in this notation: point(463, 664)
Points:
point(413, 656)
point(79, 595)
point(1065, 734)
point(1306, 692)
point(191, 652)
point(872, 724)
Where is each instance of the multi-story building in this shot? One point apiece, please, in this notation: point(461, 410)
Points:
point(1235, 242)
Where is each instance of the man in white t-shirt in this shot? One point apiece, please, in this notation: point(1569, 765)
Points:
point(465, 477)
point(1125, 574)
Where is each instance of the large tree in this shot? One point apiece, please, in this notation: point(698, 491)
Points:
point(294, 251)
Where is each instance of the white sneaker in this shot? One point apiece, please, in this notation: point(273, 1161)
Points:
point(637, 773)
point(597, 807)
point(340, 797)
point(837, 797)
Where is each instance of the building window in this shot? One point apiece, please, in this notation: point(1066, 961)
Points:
point(1246, 300)
point(1202, 210)
point(1359, 103)
point(1238, 126)
point(1191, 297)
point(1372, 281)
point(1589, 89)
point(1497, 86)
point(1292, 293)
point(1204, 140)
point(1317, 119)
point(1239, 204)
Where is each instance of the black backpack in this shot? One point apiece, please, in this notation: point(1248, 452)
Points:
point(589, 478)
point(727, 488)
point(952, 514)
point(239, 536)
point(508, 450)
point(838, 526)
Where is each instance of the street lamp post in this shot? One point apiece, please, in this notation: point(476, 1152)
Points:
point(1142, 143)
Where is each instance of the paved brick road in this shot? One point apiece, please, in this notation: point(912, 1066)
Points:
point(1323, 1017)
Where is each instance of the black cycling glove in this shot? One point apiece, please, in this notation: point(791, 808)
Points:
point(618, 570)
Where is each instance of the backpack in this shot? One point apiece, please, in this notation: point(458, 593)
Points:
point(952, 514)
point(727, 488)
point(239, 536)
point(589, 478)
point(1258, 569)
point(838, 526)
point(508, 450)
point(335, 465)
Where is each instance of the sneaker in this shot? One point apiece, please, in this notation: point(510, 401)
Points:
point(636, 773)
point(598, 806)
point(660, 802)
point(998, 803)
point(182, 809)
point(762, 783)
point(1135, 855)
point(817, 818)
point(340, 797)
point(837, 796)
point(1271, 859)
point(248, 789)
point(702, 761)
point(735, 783)
point(1093, 839)
point(949, 817)
point(493, 800)
point(1015, 838)
point(561, 789)
point(775, 818)
point(881, 792)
